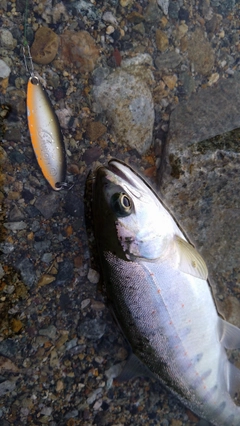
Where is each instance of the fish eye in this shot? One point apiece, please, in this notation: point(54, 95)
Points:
point(122, 204)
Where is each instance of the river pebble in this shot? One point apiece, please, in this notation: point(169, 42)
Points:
point(127, 102)
point(6, 39)
point(45, 46)
point(4, 69)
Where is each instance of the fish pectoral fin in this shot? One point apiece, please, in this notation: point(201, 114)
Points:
point(232, 379)
point(229, 334)
point(190, 261)
point(134, 368)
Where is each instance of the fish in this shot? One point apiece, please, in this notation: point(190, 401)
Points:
point(46, 136)
point(157, 284)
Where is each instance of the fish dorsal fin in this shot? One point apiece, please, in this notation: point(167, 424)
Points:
point(190, 261)
point(229, 334)
point(134, 368)
point(232, 379)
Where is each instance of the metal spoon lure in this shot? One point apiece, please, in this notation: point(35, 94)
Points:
point(45, 131)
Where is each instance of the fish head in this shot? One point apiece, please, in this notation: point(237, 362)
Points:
point(129, 219)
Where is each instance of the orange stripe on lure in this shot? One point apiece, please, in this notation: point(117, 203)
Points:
point(46, 136)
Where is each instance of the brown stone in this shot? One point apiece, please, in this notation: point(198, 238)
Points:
point(79, 49)
point(161, 40)
point(16, 325)
point(200, 52)
point(59, 386)
point(45, 46)
point(45, 280)
point(95, 129)
point(7, 365)
point(170, 81)
point(3, 85)
point(135, 17)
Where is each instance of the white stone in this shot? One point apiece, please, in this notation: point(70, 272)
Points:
point(4, 69)
point(164, 4)
point(108, 17)
point(7, 40)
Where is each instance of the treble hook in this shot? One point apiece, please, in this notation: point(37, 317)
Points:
point(65, 185)
point(28, 56)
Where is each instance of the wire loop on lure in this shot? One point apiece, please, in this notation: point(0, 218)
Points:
point(30, 69)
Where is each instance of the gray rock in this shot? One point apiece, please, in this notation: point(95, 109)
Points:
point(164, 5)
point(201, 183)
point(16, 214)
point(65, 272)
point(71, 414)
point(99, 75)
point(140, 59)
point(35, 226)
point(2, 273)
point(173, 9)
point(74, 203)
point(8, 348)
point(46, 411)
point(164, 422)
point(6, 39)
point(14, 134)
point(7, 386)
point(27, 271)
point(153, 13)
point(92, 329)
point(188, 82)
point(85, 8)
point(47, 257)
point(139, 28)
point(127, 102)
point(207, 113)
point(77, 350)
point(203, 423)
point(94, 395)
point(110, 18)
point(41, 246)
point(168, 60)
point(15, 226)
point(50, 332)
point(48, 204)
point(227, 6)
point(93, 276)
point(7, 248)
point(114, 371)
point(4, 69)
point(71, 344)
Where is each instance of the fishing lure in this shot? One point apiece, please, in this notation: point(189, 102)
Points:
point(45, 132)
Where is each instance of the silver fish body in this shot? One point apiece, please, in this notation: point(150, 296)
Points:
point(157, 284)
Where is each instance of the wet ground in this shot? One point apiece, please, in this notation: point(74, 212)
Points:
point(105, 66)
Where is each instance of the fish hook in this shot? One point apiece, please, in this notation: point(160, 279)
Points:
point(65, 185)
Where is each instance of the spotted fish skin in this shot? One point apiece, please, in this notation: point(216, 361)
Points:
point(157, 284)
